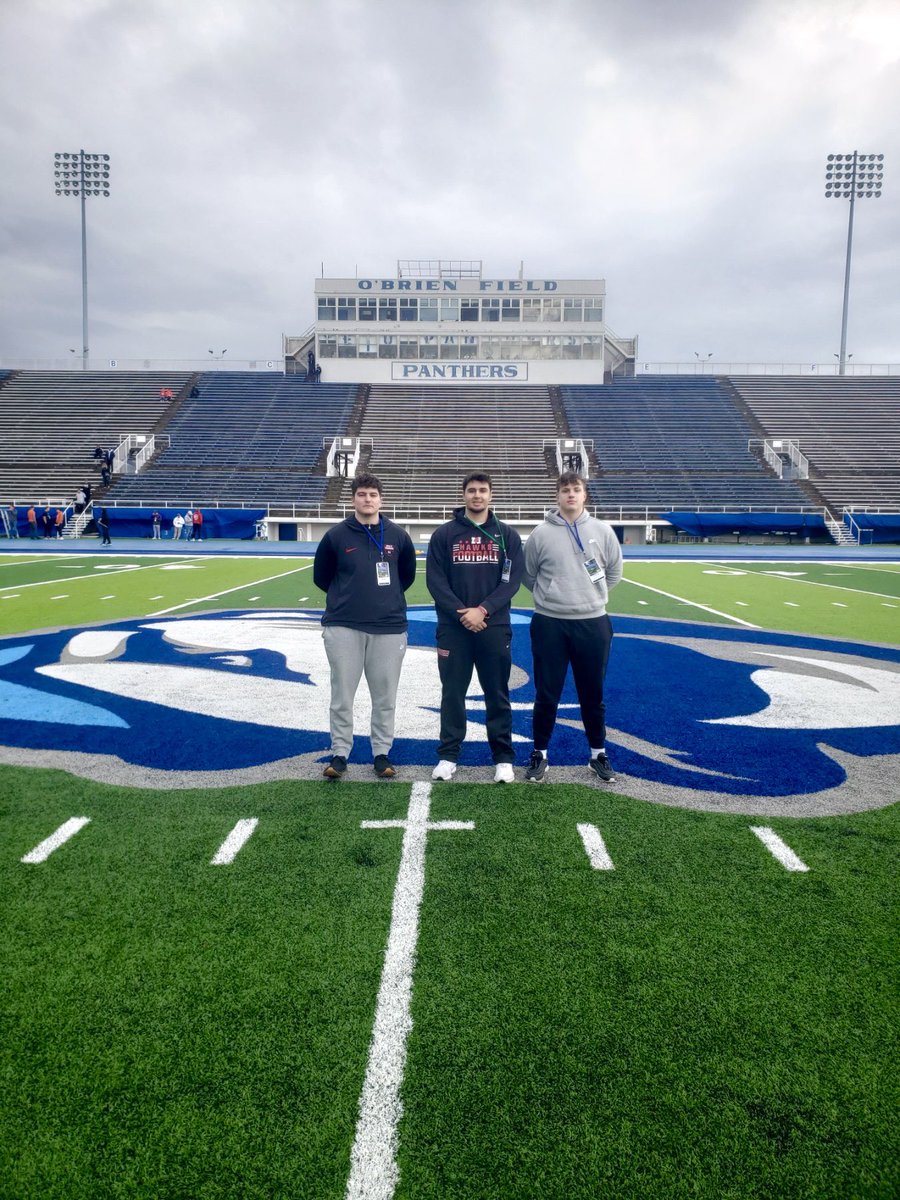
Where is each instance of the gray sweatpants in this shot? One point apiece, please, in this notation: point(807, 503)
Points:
point(380, 656)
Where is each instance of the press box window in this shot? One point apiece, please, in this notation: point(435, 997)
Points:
point(490, 310)
point(368, 347)
point(409, 308)
point(511, 309)
point(347, 345)
point(327, 308)
point(468, 308)
point(346, 308)
point(468, 347)
point(572, 310)
point(449, 308)
point(428, 308)
point(409, 346)
point(428, 346)
point(327, 345)
point(387, 347)
point(368, 309)
point(448, 347)
point(593, 309)
point(387, 309)
point(531, 310)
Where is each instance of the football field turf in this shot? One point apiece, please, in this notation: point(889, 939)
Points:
point(608, 997)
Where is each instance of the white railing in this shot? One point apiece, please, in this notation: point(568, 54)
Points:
point(571, 454)
point(774, 450)
point(756, 368)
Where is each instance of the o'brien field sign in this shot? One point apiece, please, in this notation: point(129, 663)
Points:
point(453, 285)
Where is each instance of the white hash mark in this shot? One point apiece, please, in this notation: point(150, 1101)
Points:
point(779, 849)
point(43, 851)
point(241, 834)
point(596, 848)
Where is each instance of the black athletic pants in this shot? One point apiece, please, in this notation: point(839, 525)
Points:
point(555, 644)
point(490, 654)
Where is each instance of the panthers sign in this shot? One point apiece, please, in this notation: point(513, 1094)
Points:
point(700, 716)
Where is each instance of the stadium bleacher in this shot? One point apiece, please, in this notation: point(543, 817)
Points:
point(663, 442)
point(848, 428)
point(425, 439)
point(51, 421)
point(248, 437)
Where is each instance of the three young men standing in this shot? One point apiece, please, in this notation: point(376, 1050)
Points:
point(365, 564)
point(474, 567)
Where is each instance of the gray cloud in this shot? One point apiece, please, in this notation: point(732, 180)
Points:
point(676, 150)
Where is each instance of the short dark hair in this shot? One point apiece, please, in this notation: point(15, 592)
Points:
point(365, 480)
point(569, 479)
point(478, 477)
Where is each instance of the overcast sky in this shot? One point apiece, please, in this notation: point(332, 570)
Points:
point(675, 148)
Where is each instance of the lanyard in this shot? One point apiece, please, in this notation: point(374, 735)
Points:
point(573, 530)
point(498, 541)
point(379, 545)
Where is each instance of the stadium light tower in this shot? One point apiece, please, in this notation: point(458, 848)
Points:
point(82, 175)
point(851, 177)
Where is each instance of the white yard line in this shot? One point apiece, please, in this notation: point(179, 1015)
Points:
point(227, 592)
point(596, 848)
point(43, 851)
point(692, 603)
point(778, 849)
point(374, 1173)
point(241, 834)
point(76, 578)
point(838, 587)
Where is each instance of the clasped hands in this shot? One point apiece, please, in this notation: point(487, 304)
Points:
point(473, 619)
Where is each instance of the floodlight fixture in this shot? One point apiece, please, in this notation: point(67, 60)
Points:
point(81, 175)
point(851, 177)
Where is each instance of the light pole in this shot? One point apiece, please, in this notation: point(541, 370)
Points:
point(851, 177)
point(82, 175)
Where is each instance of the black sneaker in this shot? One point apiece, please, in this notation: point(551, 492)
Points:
point(537, 767)
point(336, 768)
point(383, 767)
point(600, 766)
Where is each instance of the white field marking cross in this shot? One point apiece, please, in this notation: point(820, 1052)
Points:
point(373, 1160)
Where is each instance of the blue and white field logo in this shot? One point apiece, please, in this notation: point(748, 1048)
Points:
point(698, 715)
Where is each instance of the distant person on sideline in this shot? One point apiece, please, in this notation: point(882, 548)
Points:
point(365, 565)
point(572, 561)
point(103, 526)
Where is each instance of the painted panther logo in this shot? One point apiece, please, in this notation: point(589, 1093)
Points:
point(702, 716)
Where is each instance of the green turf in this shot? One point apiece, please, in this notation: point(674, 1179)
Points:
point(832, 600)
point(696, 1023)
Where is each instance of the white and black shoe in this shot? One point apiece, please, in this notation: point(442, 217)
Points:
point(600, 766)
point(537, 767)
point(445, 770)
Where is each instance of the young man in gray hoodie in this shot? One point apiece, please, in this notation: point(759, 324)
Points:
point(571, 562)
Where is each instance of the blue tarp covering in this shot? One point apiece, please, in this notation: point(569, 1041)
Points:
point(217, 522)
point(717, 524)
point(874, 527)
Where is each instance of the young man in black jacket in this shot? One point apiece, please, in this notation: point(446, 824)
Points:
point(364, 565)
point(473, 570)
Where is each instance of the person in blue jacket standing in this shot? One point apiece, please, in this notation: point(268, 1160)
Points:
point(365, 565)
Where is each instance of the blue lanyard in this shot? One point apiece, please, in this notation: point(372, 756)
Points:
point(379, 545)
point(573, 529)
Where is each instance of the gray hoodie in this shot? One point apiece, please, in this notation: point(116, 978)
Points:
point(554, 567)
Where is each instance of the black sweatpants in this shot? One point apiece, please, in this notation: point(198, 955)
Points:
point(555, 644)
point(490, 654)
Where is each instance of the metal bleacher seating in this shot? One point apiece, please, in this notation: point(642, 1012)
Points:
point(248, 438)
point(51, 421)
point(425, 439)
point(669, 442)
point(848, 428)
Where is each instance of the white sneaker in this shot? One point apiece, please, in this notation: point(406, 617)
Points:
point(444, 770)
point(504, 773)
